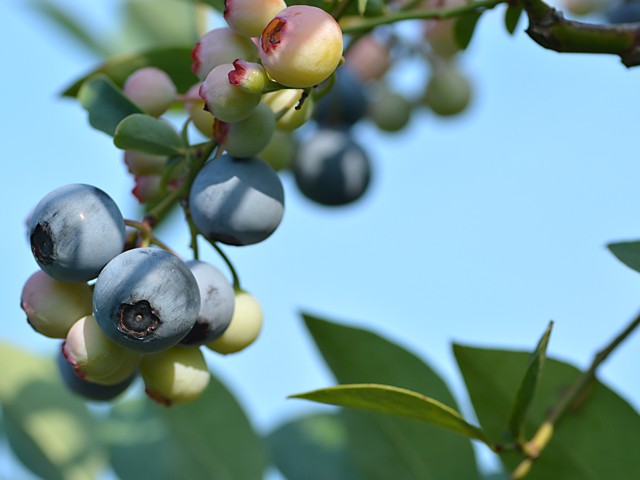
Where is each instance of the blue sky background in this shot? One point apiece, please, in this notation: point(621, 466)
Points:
point(477, 229)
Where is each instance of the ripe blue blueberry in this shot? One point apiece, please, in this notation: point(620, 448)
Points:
point(344, 104)
point(236, 201)
point(626, 12)
point(331, 169)
point(89, 390)
point(217, 301)
point(75, 231)
point(146, 299)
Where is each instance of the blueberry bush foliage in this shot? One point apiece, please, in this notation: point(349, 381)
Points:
point(278, 88)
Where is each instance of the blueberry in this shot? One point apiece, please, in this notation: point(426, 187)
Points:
point(94, 357)
point(75, 231)
point(89, 390)
point(53, 306)
point(331, 168)
point(236, 201)
point(627, 12)
point(245, 326)
point(216, 304)
point(177, 375)
point(344, 104)
point(146, 299)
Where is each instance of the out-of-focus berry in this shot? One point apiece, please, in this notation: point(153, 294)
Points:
point(368, 59)
point(280, 151)
point(220, 46)
point(247, 137)
point(151, 89)
point(291, 112)
point(248, 17)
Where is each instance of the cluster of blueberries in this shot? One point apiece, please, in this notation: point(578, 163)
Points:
point(147, 310)
point(124, 304)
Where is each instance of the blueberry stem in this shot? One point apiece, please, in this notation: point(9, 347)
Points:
point(437, 13)
point(572, 399)
point(234, 274)
point(148, 237)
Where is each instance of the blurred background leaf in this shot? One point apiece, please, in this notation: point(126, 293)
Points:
point(313, 447)
point(208, 438)
point(48, 429)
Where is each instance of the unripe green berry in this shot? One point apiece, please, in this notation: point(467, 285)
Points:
point(280, 151)
point(151, 89)
point(390, 111)
point(194, 105)
point(289, 107)
point(301, 46)
point(249, 136)
point(225, 101)
point(52, 306)
point(94, 357)
point(220, 46)
point(244, 328)
point(448, 91)
point(248, 76)
point(141, 163)
point(248, 17)
point(177, 375)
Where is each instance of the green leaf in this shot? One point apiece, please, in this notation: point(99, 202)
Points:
point(148, 134)
point(210, 437)
point(176, 61)
point(528, 387)
point(71, 26)
point(591, 442)
point(105, 103)
point(49, 429)
point(385, 446)
point(362, 7)
point(628, 253)
point(159, 23)
point(313, 447)
point(512, 16)
point(396, 401)
point(464, 27)
point(215, 4)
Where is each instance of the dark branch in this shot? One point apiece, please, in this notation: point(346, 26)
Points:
point(550, 29)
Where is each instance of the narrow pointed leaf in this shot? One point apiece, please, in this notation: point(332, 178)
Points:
point(105, 103)
point(528, 387)
point(70, 25)
point(396, 401)
point(148, 134)
point(176, 61)
point(628, 253)
point(387, 446)
point(313, 447)
point(362, 7)
point(593, 439)
point(464, 28)
point(512, 16)
point(210, 437)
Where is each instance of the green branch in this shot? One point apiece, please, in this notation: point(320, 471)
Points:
point(437, 13)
